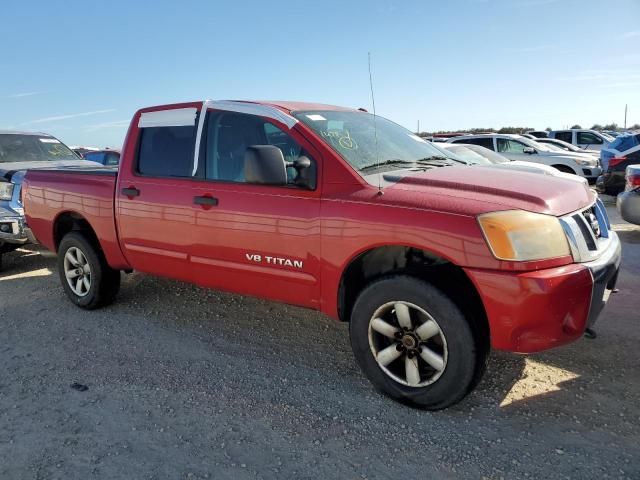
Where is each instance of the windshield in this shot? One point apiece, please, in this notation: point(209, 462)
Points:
point(367, 147)
point(490, 155)
point(551, 146)
point(533, 144)
point(562, 144)
point(33, 148)
point(467, 154)
point(607, 137)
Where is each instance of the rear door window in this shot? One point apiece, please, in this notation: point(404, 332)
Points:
point(565, 136)
point(166, 151)
point(483, 142)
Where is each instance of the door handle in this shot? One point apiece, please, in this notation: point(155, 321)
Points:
point(131, 192)
point(206, 201)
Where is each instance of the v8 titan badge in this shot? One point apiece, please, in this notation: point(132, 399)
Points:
point(280, 261)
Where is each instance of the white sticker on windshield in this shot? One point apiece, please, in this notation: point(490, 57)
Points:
point(315, 117)
point(49, 140)
point(416, 138)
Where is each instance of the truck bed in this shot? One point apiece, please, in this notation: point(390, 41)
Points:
point(82, 194)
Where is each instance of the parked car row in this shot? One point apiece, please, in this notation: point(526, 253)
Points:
point(517, 147)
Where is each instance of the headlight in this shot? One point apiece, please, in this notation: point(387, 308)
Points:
point(520, 236)
point(587, 162)
point(6, 191)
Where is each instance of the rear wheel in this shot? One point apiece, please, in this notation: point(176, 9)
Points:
point(414, 344)
point(86, 277)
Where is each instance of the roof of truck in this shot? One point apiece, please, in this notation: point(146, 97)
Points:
point(17, 132)
point(293, 106)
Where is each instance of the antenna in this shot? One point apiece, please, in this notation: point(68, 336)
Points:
point(375, 127)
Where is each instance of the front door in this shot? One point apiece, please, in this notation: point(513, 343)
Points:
point(258, 239)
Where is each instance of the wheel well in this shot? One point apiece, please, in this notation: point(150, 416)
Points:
point(439, 272)
point(564, 168)
point(68, 222)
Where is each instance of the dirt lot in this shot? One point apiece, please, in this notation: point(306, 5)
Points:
point(189, 383)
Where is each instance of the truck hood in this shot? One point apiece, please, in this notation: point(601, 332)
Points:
point(482, 189)
point(14, 171)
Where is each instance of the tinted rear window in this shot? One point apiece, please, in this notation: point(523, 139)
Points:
point(166, 151)
point(625, 142)
point(564, 136)
point(483, 142)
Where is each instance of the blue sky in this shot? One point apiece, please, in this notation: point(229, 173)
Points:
point(79, 69)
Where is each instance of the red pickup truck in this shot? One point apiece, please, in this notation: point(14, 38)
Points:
point(432, 262)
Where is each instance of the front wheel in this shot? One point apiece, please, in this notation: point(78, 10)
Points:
point(565, 169)
point(414, 344)
point(86, 277)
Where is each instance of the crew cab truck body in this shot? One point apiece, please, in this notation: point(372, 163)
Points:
point(332, 209)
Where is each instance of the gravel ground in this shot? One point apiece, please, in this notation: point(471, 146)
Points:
point(190, 383)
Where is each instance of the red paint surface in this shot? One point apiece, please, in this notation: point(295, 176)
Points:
point(530, 305)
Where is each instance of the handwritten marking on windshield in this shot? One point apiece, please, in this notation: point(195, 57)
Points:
point(343, 139)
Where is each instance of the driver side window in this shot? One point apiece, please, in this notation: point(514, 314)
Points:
point(588, 138)
point(230, 134)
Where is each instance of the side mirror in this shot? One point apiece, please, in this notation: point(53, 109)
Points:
point(529, 150)
point(306, 172)
point(264, 164)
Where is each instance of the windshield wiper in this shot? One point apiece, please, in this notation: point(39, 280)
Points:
point(437, 159)
point(386, 162)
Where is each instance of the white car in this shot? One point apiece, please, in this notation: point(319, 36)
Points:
point(478, 155)
point(517, 147)
point(567, 146)
point(583, 138)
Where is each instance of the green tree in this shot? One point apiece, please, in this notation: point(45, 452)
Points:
point(596, 126)
point(576, 126)
point(635, 126)
point(611, 126)
point(549, 129)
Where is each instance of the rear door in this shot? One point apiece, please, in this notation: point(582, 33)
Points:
point(256, 239)
point(154, 199)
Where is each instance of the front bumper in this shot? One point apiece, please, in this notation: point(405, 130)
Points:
point(604, 272)
point(13, 229)
point(591, 173)
point(534, 311)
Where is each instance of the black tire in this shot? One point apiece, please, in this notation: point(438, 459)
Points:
point(466, 356)
point(1, 260)
point(105, 281)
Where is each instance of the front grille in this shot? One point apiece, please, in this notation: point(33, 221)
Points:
point(587, 231)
